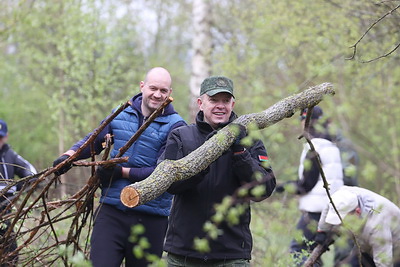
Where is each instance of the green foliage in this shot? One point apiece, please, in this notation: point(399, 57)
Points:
point(272, 51)
point(65, 64)
point(350, 170)
point(68, 62)
point(201, 244)
point(290, 188)
point(78, 259)
point(258, 191)
point(212, 230)
point(273, 227)
point(141, 244)
point(307, 164)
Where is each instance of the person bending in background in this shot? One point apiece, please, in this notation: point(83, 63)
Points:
point(110, 243)
point(374, 221)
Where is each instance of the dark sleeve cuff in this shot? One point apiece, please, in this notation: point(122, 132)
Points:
point(139, 174)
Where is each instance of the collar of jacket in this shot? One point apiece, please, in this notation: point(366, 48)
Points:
point(136, 104)
point(4, 149)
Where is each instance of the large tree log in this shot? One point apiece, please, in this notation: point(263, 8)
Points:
point(170, 171)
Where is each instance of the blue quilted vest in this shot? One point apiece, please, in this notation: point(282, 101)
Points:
point(143, 153)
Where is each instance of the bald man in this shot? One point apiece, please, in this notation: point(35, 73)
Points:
point(110, 241)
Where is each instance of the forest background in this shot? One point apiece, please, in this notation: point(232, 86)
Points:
point(64, 65)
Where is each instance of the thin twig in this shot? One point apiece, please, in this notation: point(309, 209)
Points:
point(354, 46)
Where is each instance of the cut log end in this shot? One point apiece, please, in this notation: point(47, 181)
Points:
point(130, 197)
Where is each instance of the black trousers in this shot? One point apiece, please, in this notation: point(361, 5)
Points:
point(111, 242)
point(10, 244)
point(307, 224)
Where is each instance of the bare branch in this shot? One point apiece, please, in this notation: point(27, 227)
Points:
point(382, 56)
point(367, 31)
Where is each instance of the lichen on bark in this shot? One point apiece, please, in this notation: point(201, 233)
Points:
point(170, 171)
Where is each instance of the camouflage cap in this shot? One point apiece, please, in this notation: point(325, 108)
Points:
point(216, 84)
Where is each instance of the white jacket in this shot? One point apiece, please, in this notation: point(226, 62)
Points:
point(317, 199)
point(380, 235)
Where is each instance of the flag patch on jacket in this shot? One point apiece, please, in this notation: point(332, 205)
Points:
point(262, 158)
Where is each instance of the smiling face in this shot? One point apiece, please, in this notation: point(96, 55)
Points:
point(217, 108)
point(156, 88)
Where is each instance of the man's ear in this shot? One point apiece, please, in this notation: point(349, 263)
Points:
point(199, 102)
point(141, 84)
point(358, 211)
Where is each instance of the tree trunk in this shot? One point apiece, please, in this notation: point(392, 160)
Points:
point(61, 143)
point(201, 45)
point(170, 171)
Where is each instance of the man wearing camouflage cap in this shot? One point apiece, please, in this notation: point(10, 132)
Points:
point(195, 198)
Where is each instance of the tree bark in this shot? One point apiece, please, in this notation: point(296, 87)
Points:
point(170, 171)
point(315, 254)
